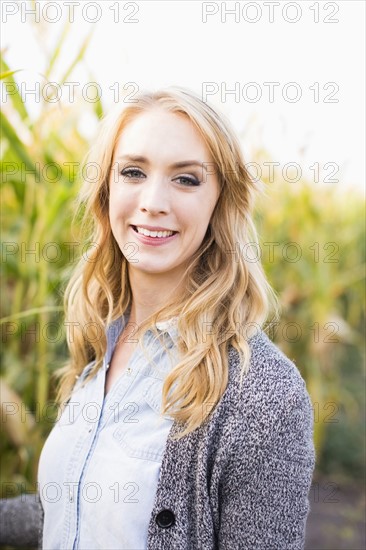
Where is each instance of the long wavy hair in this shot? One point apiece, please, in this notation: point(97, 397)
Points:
point(223, 289)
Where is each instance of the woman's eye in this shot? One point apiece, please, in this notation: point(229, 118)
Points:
point(131, 173)
point(189, 182)
point(135, 173)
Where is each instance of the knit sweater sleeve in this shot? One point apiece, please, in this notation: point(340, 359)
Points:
point(265, 487)
point(21, 521)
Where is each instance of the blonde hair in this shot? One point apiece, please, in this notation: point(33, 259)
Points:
point(223, 289)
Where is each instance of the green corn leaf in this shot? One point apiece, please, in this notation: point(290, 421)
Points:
point(97, 106)
point(78, 57)
point(16, 145)
point(6, 74)
point(58, 48)
point(16, 98)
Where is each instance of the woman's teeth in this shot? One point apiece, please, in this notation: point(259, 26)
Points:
point(158, 234)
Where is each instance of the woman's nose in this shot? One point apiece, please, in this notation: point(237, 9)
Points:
point(154, 197)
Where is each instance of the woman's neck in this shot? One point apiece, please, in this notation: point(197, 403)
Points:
point(149, 295)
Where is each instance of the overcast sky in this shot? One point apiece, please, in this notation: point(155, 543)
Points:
point(297, 68)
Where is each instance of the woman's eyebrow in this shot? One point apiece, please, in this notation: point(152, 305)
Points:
point(181, 164)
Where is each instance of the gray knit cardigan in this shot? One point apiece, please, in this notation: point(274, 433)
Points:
point(240, 481)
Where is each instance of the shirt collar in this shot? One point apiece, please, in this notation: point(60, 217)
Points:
point(168, 326)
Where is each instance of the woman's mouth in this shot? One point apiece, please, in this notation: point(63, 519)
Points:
point(154, 238)
point(154, 234)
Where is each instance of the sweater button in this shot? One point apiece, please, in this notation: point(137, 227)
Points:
point(165, 518)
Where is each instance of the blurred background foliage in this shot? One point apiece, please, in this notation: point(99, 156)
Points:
point(312, 247)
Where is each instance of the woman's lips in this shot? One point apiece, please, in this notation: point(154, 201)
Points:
point(153, 241)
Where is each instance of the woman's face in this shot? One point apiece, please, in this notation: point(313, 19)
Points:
point(149, 190)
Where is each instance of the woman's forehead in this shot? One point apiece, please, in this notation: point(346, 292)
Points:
point(159, 131)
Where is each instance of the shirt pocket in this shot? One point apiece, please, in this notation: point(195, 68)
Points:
point(144, 434)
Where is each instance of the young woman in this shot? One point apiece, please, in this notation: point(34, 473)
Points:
point(184, 427)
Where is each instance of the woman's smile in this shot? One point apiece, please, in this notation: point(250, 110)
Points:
point(154, 238)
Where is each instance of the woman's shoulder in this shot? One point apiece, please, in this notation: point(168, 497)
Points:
point(273, 381)
point(267, 363)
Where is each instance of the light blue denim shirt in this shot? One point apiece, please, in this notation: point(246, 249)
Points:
point(99, 468)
